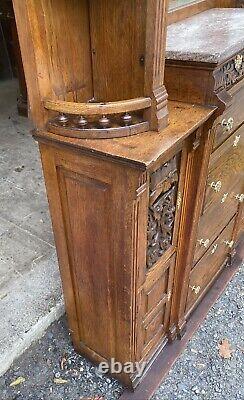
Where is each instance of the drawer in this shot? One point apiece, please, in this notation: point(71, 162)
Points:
point(226, 169)
point(232, 118)
point(224, 191)
point(211, 224)
point(210, 264)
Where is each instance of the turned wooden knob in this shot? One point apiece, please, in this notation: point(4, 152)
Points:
point(126, 118)
point(63, 119)
point(82, 122)
point(104, 121)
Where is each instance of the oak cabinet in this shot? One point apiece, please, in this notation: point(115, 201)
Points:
point(145, 194)
point(116, 233)
point(116, 222)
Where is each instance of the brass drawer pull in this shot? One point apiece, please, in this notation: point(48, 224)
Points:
point(216, 186)
point(227, 124)
point(239, 197)
point(204, 243)
point(215, 246)
point(229, 244)
point(238, 61)
point(195, 289)
point(236, 141)
point(225, 195)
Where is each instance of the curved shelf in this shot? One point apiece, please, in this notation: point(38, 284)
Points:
point(89, 109)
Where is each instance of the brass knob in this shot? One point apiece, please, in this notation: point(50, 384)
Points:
point(227, 124)
point(204, 243)
point(239, 197)
point(238, 61)
point(236, 141)
point(229, 244)
point(195, 289)
point(216, 186)
point(215, 246)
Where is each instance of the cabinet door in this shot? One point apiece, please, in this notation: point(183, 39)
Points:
point(162, 234)
point(155, 301)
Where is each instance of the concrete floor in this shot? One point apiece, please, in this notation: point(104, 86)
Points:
point(30, 290)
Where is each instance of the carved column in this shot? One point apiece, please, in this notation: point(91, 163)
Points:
point(155, 61)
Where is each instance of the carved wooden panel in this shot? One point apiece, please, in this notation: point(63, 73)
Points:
point(161, 213)
point(230, 73)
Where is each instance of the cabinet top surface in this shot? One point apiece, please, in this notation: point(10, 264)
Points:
point(212, 36)
point(146, 148)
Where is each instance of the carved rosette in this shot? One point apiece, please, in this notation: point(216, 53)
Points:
point(231, 72)
point(161, 213)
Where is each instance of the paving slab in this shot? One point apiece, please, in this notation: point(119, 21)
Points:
point(20, 249)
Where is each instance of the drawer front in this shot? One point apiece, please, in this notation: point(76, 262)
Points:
point(155, 300)
point(232, 118)
point(224, 191)
point(211, 224)
point(210, 264)
point(226, 169)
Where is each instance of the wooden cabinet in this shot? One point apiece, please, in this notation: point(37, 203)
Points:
point(146, 211)
point(116, 218)
point(116, 230)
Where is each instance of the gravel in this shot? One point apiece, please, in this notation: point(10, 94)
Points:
point(200, 372)
point(53, 358)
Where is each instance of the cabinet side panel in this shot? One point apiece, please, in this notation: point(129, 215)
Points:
point(92, 208)
point(85, 207)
